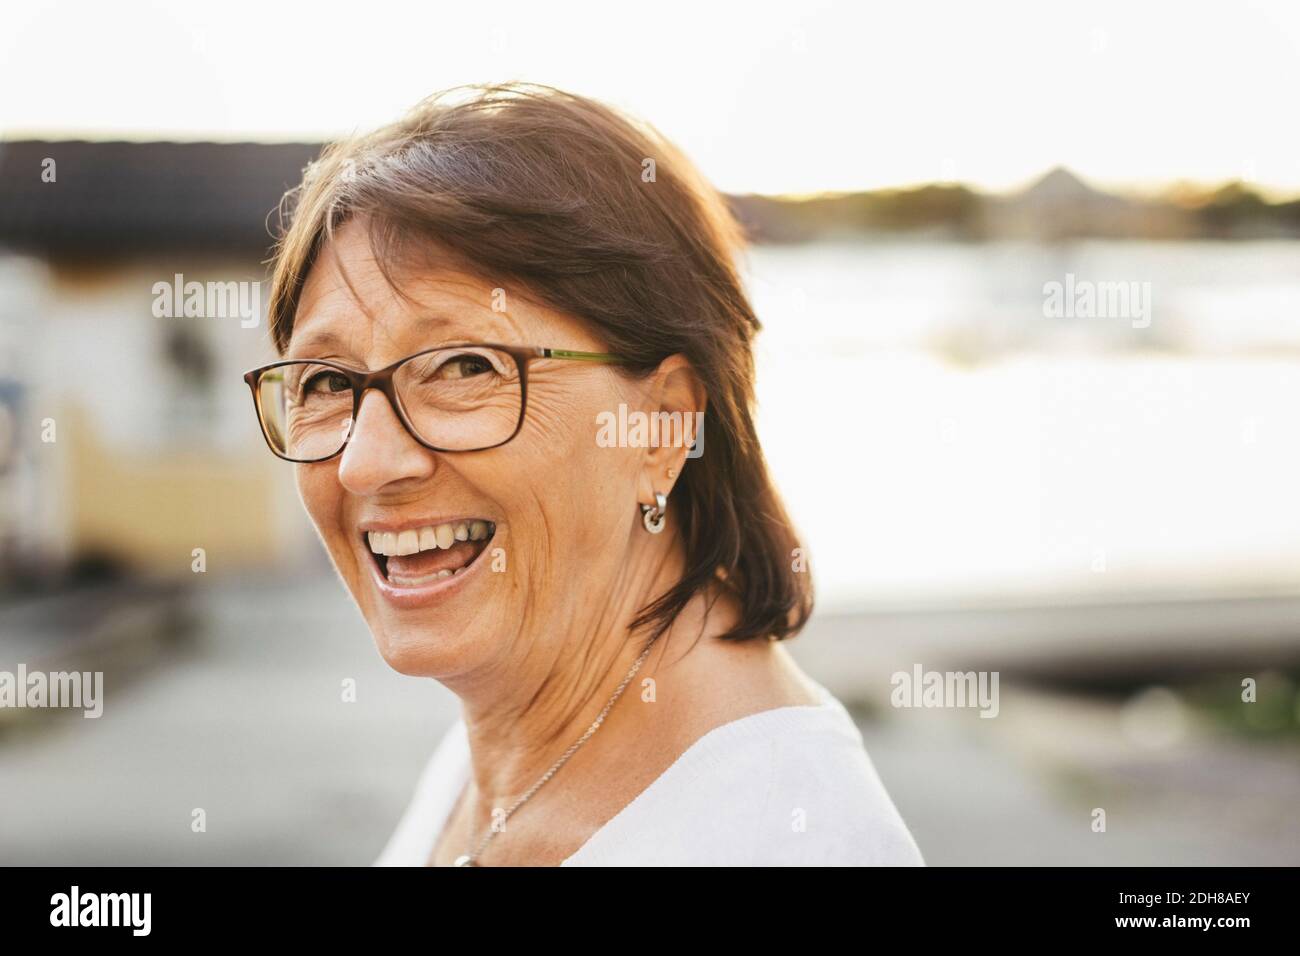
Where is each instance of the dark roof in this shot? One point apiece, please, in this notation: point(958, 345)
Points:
point(125, 198)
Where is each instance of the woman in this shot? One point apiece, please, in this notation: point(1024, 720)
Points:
point(480, 308)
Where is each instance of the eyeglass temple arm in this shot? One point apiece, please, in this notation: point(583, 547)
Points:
point(581, 356)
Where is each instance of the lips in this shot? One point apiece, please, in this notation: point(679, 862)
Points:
point(417, 556)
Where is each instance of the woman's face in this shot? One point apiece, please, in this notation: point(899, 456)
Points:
point(546, 519)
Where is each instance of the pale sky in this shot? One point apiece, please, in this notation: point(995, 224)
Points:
point(800, 96)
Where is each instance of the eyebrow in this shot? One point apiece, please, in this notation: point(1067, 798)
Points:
point(314, 342)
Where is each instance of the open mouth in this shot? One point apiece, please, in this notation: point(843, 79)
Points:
point(418, 557)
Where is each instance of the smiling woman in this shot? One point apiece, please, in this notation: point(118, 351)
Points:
point(460, 299)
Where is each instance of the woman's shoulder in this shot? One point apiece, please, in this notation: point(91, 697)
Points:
point(789, 786)
point(435, 791)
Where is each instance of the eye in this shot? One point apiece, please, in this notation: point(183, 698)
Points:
point(327, 382)
point(465, 366)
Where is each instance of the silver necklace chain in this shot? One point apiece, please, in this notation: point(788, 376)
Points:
point(468, 859)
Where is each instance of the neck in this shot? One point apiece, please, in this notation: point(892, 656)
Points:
point(557, 676)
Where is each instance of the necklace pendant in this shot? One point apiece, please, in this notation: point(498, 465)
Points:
point(463, 860)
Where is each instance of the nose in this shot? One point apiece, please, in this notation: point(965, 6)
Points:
point(381, 452)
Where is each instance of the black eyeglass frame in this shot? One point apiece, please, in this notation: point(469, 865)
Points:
point(382, 380)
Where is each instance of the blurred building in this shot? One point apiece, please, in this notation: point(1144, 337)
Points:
point(127, 436)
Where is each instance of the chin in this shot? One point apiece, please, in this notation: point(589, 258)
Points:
point(433, 643)
point(415, 651)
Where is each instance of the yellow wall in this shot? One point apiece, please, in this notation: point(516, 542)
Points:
point(154, 511)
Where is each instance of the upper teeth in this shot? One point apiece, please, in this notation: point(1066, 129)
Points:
point(428, 538)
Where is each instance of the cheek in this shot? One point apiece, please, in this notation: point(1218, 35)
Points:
point(578, 493)
point(321, 496)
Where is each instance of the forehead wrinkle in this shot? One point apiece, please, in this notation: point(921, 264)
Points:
point(456, 301)
point(373, 312)
point(361, 305)
point(328, 300)
point(329, 328)
point(425, 329)
point(313, 342)
point(353, 236)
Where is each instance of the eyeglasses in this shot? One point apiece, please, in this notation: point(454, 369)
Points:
point(452, 398)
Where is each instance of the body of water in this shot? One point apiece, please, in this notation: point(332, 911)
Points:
point(935, 434)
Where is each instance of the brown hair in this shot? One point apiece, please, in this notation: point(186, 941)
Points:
point(546, 189)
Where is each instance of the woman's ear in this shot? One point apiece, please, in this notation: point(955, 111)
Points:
point(675, 403)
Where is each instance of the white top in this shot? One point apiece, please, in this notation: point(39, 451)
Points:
point(791, 786)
